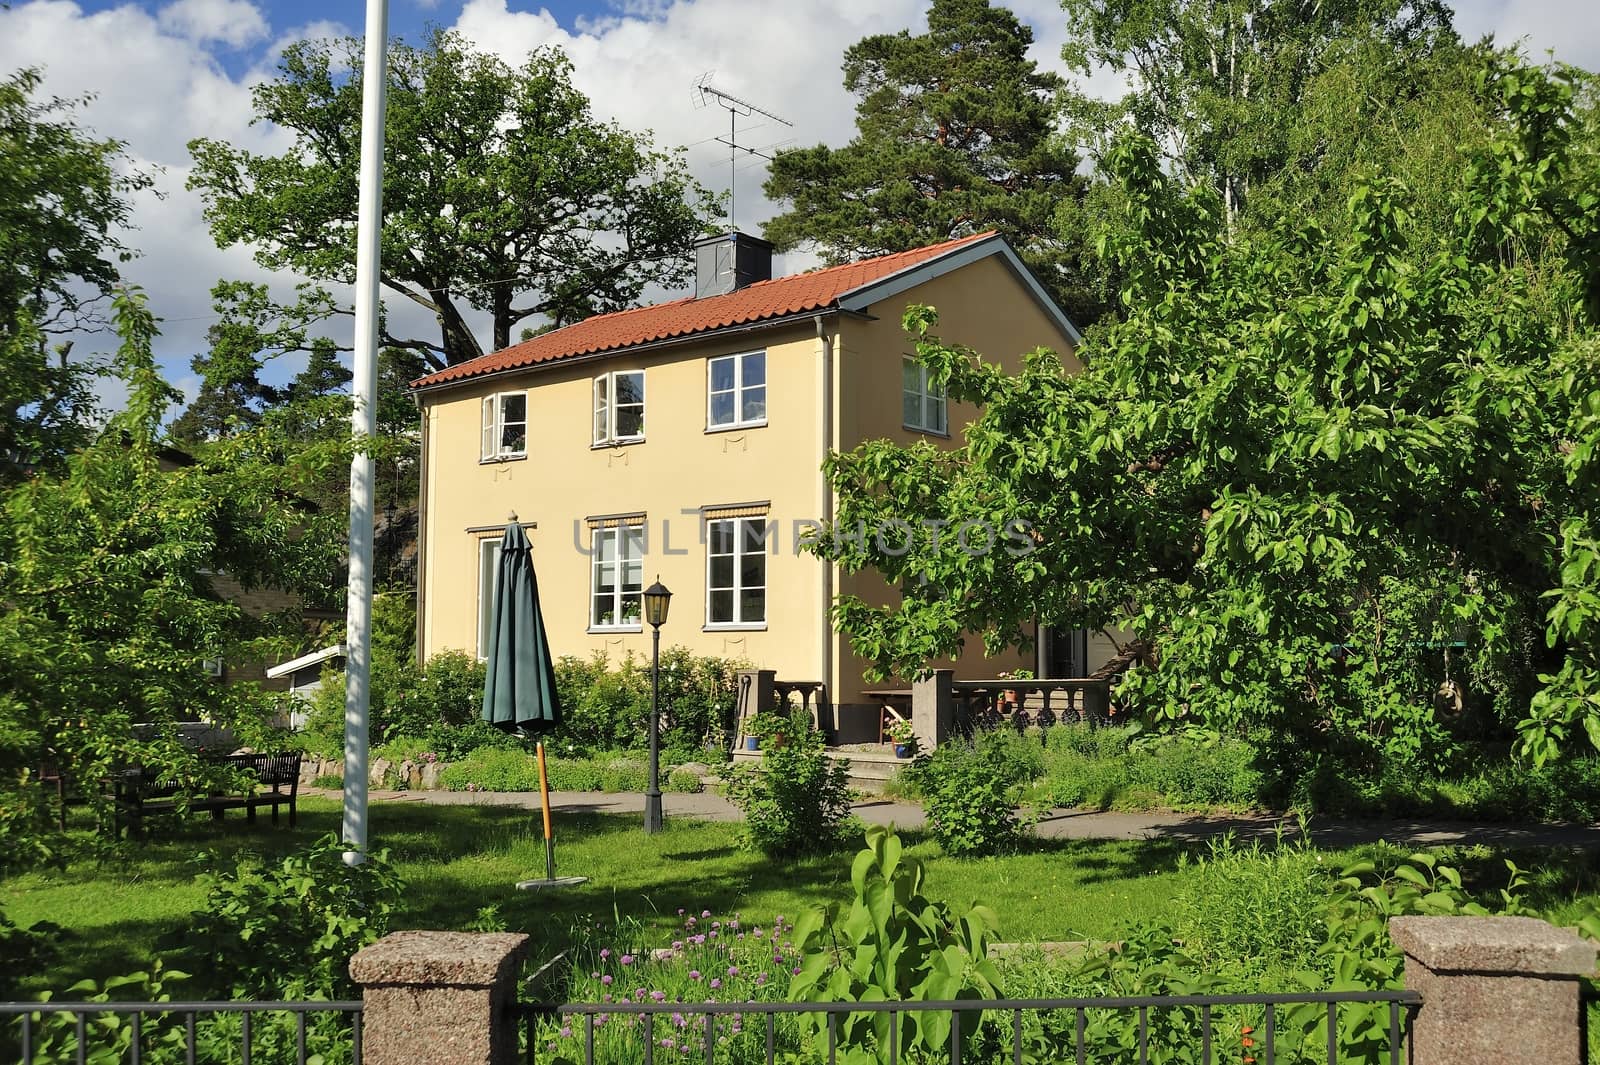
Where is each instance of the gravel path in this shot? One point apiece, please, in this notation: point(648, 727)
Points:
point(1059, 824)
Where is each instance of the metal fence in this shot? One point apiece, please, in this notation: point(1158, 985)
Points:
point(1057, 1029)
point(196, 1033)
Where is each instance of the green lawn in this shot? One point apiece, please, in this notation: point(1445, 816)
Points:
point(459, 859)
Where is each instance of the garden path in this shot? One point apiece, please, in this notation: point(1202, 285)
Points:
point(1063, 824)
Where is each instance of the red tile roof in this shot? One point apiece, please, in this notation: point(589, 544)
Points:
point(762, 301)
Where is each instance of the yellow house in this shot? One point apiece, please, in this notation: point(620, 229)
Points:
point(683, 441)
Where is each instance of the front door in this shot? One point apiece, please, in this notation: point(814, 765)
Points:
point(1066, 652)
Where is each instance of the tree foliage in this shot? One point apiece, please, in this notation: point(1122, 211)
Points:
point(63, 198)
point(955, 134)
point(1305, 469)
point(110, 609)
point(502, 193)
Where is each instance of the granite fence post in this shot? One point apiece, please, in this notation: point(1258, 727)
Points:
point(933, 708)
point(445, 998)
point(1500, 990)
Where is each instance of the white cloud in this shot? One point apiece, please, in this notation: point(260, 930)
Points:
point(231, 22)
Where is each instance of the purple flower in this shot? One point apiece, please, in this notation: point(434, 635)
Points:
point(713, 935)
point(639, 994)
point(795, 970)
point(733, 970)
point(694, 974)
point(606, 997)
point(594, 976)
point(626, 959)
point(606, 979)
point(761, 979)
point(669, 1044)
point(716, 924)
point(756, 933)
point(680, 911)
point(605, 952)
point(677, 944)
point(705, 913)
point(566, 1032)
point(715, 983)
point(677, 1019)
point(741, 935)
point(658, 996)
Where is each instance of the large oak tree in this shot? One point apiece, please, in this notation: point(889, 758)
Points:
point(502, 192)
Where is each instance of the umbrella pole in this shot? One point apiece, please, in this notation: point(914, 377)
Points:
point(549, 838)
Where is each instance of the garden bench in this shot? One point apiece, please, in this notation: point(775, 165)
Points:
point(273, 781)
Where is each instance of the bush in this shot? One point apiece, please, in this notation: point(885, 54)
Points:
point(685, 781)
point(406, 702)
point(503, 769)
point(607, 705)
point(968, 791)
point(1120, 767)
point(287, 931)
point(797, 800)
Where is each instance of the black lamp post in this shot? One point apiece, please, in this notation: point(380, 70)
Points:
point(656, 601)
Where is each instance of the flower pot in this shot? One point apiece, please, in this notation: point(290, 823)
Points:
point(751, 743)
point(778, 740)
point(902, 750)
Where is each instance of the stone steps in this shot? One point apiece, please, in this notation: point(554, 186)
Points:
point(869, 770)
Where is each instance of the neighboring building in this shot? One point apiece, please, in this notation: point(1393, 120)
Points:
point(684, 440)
point(303, 677)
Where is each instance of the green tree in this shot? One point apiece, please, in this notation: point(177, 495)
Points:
point(63, 198)
point(502, 193)
point(1297, 466)
point(1236, 94)
point(110, 612)
point(954, 135)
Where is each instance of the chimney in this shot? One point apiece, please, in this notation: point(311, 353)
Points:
point(730, 261)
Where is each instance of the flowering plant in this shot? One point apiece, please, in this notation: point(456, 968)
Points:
point(902, 732)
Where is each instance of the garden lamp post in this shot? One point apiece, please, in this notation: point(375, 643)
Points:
point(656, 601)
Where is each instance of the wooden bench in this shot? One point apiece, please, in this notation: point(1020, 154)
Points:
point(273, 780)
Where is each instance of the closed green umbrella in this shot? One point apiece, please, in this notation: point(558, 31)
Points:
point(519, 692)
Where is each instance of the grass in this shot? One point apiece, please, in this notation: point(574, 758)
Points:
point(456, 860)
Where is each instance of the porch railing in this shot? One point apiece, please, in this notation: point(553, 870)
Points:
point(990, 704)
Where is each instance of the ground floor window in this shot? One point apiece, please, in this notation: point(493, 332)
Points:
point(618, 577)
point(736, 571)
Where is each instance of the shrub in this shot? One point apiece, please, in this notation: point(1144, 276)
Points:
point(406, 702)
point(685, 780)
point(607, 705)
point(796, 800)
point(967, 790)
point(492, 769)
point(287, 931)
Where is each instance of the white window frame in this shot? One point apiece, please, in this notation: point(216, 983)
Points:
point(493, 426)
point(740, 553)
point(927, 392)
point(737, 391)
point(604, 407)
point(488, 580)
point(619, 622)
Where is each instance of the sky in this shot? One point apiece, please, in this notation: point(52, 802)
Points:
point(162, 72)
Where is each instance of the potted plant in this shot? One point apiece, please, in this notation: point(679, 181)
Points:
point(764, 730)
point(904, 738)
point(1010, 698)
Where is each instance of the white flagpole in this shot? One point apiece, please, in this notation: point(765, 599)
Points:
point(364, 423)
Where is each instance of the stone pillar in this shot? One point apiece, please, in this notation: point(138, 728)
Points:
point(755, 695)
point(1495, 990)
point(446, 998)
point(933, 708)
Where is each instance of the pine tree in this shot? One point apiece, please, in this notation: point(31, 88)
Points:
point(955, 135)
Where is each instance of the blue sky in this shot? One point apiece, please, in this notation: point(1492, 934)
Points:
point(162, 72)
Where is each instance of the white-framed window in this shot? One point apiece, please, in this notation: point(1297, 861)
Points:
point(619, 407)
point(922, 401)
point(505, 426)
point(736, 571)
point(617, 578)
point(488, 581)
point(736, 390)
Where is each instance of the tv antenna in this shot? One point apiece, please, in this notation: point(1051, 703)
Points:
point(704, 94)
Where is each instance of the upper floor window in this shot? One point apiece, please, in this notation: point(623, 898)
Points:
point(922, 401)
point(505, 426)
point(619, 407)
point(736, 393)
point(617, 577)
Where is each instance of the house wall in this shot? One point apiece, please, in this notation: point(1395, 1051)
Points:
point(679, 465)
point(983, 307)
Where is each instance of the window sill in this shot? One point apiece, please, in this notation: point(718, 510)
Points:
point(945, 435)
point(607, 445)
point(730, 626)
point(498, 459)
point(762, 424)
point(611, 630)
